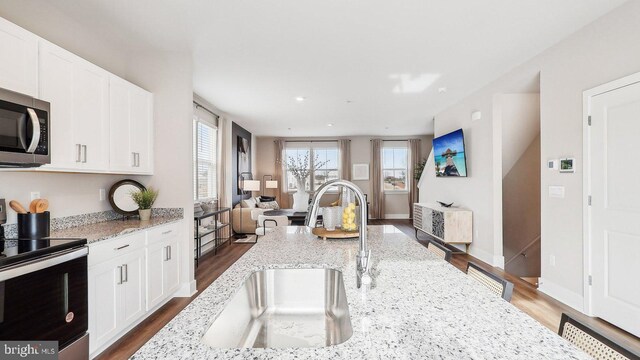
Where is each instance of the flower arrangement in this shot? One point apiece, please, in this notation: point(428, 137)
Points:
point(300, 169)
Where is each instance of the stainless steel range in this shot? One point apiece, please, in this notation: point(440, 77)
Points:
point(43, 293)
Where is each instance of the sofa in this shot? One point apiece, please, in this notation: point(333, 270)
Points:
point(244, 210)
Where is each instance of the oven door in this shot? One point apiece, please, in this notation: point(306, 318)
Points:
point(46, 298)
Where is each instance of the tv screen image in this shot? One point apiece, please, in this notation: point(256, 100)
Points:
point(449, 156)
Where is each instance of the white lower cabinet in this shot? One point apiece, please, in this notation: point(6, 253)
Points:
point(162, 277)
point(128, 277)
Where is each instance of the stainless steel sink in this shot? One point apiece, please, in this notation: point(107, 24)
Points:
point(284, 308)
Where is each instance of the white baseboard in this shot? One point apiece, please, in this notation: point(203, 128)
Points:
point(481, 255)
point(396, 216)
point(187, 289)
point(561, 294)
point(498, 261)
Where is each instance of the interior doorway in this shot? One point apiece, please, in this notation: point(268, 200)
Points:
point(521, 167)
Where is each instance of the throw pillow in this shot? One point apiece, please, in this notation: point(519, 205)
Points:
point(249, 203)
point(267, 198)
point(271, 205)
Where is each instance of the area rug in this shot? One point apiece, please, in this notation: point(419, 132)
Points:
point(249, 239)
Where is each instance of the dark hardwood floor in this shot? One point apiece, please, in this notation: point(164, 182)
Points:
point(526, 297)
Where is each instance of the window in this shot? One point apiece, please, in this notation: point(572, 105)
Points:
point(394, 166)
point(325, 153)
point(205, 135)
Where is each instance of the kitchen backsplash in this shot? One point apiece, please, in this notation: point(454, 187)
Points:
point(11, 230)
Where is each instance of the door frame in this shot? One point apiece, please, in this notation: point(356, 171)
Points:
point(586, 179)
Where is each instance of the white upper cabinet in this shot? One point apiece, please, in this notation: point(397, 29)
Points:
point(131, 128)
point(18, 59)
point(79, 95)
point(100, 123)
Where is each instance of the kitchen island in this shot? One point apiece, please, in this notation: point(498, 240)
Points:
point(418, 307)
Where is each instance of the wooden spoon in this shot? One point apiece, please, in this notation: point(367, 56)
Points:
point(17, 207)
point(38, 206)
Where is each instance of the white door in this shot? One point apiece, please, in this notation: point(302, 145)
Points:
point(121, 156)
point(18, 59)
point(170, 269)
point(142, 129)
point(132, 302)
point(615, 210)
point(156, 256)
point(104, 283)
point(56, 70)
point(91, 114)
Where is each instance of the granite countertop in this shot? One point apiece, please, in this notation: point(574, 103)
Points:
point(418, 307)
point(112, 228)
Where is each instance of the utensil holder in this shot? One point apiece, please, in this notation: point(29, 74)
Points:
point(33, 226)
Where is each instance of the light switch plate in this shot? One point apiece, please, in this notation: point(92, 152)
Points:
point(556, 192)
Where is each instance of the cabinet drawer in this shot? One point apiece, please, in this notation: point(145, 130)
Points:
point(109, 249)
point(161, 233)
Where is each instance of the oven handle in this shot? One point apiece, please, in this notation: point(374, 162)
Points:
point(35, 123)
point(42, 263)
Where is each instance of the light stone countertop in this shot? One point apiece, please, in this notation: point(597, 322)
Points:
point(112, 228)
point(420, 307)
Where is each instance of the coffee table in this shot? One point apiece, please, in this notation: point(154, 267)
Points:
point(296, 217)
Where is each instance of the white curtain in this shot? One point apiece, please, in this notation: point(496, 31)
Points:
point(414, 160)
point(223, 153)
point(377, 189)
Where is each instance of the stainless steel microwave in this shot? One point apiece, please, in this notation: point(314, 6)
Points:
point(24, 130)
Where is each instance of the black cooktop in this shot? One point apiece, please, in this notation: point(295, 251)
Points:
point(18, 250)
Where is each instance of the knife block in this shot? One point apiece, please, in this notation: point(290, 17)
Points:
point(33, 226)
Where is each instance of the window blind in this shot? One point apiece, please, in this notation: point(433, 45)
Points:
point(205, 135)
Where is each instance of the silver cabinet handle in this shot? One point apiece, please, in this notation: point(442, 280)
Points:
point(137, 159)
point(166, 253)
point(121, 247)
point(35, 123)
point(84, 151)
point(134, 159)
point(78, 153)
point(170, 254)
point(126, 273)
point(167, 232)
point(121, 277)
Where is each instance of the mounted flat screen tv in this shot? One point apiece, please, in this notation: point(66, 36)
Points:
point(449, 155)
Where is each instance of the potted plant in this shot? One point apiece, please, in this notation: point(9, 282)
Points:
point(300, 169)
point(144, 199)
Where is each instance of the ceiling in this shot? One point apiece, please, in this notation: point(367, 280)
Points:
point(369, 67)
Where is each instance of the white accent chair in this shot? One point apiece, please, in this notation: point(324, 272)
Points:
point(268, 223)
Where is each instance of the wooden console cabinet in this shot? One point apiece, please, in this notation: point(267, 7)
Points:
point(451, 225)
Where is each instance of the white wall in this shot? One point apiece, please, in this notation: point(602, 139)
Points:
point(602, 51)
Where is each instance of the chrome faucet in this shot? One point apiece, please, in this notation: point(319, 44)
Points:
point(363, 259)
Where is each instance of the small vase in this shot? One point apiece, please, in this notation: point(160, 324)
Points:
point(145, 214)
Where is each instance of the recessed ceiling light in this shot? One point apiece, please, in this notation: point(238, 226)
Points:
point(300, 98)
point(329, 125)
point(442, 90)
point(289, 128)
point(348, 101)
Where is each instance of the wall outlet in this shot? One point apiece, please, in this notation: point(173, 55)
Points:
point(552, 260)
point(35, 195)
point(102, 194)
